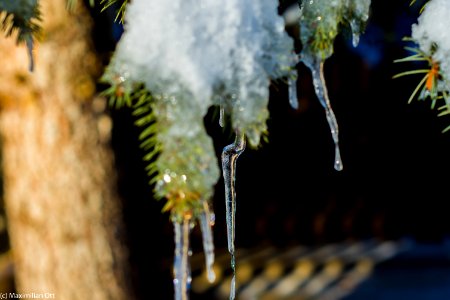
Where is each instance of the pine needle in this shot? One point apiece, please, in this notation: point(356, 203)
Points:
point(412, 72)
point(421, 83)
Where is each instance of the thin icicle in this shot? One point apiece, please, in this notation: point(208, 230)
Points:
point(292, 89)
point(320, 88)
point(356, 32)
point(355, 39)
point(233, 287)
point(222, 116)
point(229, 157)
point(182, 270)
point(29, 43)
point(206, 222)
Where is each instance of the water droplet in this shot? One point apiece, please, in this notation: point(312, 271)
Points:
point(167, 178)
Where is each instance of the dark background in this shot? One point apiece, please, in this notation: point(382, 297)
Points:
point(396, 162)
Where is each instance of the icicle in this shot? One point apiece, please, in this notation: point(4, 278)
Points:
point(356, 32)
point(233, 287)
point(355, 39)
point(292, 89)
point(229, 157)
point(182, 270)
point(222, 116)
point(322, 94)
point(29, 43)
point(357, 14)
point(206, 222)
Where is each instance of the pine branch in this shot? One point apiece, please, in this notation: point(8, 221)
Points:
point(423, 6)
point(105, 5)
point(139, 100)
point(21, 16)
point(430, 82)
point(120, 12)
point(71, 4)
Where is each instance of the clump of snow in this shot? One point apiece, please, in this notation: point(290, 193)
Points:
point(357, 14)
point(319, 26)
point(321, 20)
point(432, 33)
point(195, 50)
point(192, 54)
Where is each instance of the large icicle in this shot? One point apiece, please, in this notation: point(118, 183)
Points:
point(320, 88)
point(207, 220)
point(181, 267)
point(230, 155)
point(320, 22)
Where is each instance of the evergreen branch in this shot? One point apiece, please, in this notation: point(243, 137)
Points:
point(429, 81)
point(412, 49)
point(148, 136)
point(120, 12)
point(21, 16)
point(423, 6)
point(106, 4)
point(445, 112)
point(71, 4)
point(140, 101)
point(431, 85)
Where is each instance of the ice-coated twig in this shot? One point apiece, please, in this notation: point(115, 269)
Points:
point(230, 155)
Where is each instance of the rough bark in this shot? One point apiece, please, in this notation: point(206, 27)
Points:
point(62, 207)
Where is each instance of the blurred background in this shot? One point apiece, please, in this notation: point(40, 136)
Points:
point(379, 229)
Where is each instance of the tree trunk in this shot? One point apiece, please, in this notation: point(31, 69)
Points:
point(62, 207)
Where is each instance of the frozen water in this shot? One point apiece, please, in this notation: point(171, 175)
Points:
point(222, 116)
point(357, 14)
point(181, 266)
point(206, 220)
point(316, 67)
point(320, 21)
point(292, 90)
point(433, 35)
point(230, 155)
